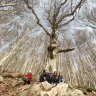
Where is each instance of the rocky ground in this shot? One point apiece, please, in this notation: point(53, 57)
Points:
point(6, 88)
point(10, 86)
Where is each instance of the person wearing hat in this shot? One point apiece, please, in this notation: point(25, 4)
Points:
point(28, 78)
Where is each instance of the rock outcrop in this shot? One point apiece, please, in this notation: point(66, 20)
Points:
point(46, 89)
point(12, 74)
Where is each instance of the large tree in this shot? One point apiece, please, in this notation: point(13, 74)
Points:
point(59, 13)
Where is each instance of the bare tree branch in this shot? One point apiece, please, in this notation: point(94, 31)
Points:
point(48, 18)
point(90, 26)
point(89, 18)
point(65, 50)
point(72, 13)
point(57, 12)
point(66, 23)
point(4, 5)
point(38, 21)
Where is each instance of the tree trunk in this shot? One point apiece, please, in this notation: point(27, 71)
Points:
point(51, 65)
point(52, 53)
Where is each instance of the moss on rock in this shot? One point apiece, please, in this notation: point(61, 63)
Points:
point(84, 89)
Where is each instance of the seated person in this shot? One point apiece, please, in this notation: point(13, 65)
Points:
point(55, 79)
point(60, 77)
point(45, 76)
point(51, 75)
point(28, 78)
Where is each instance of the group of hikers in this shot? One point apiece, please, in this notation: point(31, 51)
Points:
point(52, 78)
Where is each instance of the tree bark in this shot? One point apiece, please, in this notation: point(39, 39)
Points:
point(52, 53)
point(51, 65)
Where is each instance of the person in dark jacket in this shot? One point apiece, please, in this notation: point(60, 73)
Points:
point(51, 75)
point(45, 76)
point(60, 77)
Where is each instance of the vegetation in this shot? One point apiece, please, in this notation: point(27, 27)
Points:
point(84, 89)
point(10, 75)
point(6, 75)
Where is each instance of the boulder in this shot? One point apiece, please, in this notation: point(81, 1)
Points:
point(77, 92)
point(59, 90)
point(52, 92)
point(45, 85)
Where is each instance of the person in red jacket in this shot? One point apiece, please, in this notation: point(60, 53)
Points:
point(28, 78)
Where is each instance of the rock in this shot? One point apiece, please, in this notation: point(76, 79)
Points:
point(13, 75)
point(52, 92)
point(59, 90)
point(45, 85)
point(29, 90)
point(62, 88)
point(17, 82)
point(1, 79)
point(43, 93)
point(93, 92)
point(23, 91)
point(25, 87)
point(16, 74)
point(77, 92)
point(42, 89)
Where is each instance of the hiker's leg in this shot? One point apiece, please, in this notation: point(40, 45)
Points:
point(28, 82)
point(25, 82)
point(63, 80)
point(52, 83)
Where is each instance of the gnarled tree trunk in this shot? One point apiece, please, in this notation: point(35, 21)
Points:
point(52, 53)
point(53, 50)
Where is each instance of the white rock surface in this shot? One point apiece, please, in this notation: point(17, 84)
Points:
point(46, 89)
